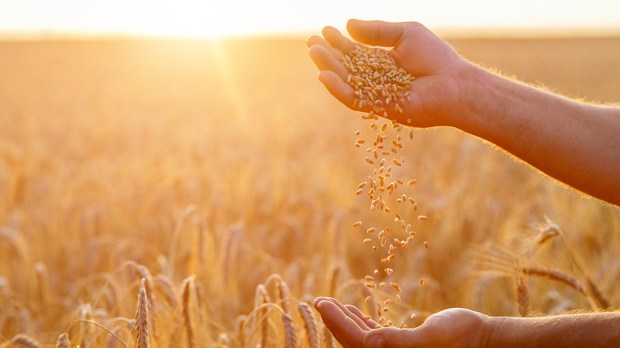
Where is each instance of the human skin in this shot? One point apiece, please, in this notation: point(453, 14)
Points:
point(462, 328)
point(576, 143)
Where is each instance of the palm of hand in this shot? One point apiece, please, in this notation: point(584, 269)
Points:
point(455, 327)
point(434, 92)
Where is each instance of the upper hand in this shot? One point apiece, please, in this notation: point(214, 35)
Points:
point(435, 92)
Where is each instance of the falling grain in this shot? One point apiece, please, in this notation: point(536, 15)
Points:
point(395, 286)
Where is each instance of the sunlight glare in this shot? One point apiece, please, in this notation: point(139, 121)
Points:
point(218, 19)
point(230, 88)
point(189, 18)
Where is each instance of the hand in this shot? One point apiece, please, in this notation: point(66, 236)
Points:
point(438, 69)
point(454, 327)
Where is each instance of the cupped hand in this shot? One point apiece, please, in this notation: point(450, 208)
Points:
point(439, 70)
point(454, 327)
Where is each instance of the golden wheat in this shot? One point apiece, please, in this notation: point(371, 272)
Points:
point(63, 341)
point(290, 335)
point(192, 169)
point(188, 306)
point(312, 332)
point(523, 296)
point(22, 341)
point(142, 332)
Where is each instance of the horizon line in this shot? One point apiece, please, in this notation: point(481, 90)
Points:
point(446, 32)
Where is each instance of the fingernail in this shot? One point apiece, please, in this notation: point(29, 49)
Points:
point(375, 341)
point(317, 300)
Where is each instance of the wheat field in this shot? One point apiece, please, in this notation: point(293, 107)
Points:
point(201, 194)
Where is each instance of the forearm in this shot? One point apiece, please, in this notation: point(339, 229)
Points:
point(575, 330)
point(576, 143)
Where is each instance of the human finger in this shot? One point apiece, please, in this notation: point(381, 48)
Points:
point(340, 90)
point(357, 319)
point(337, 40)
point(318, 300)
point(394, 338)
point(325, 60)
point(319, 40)
point(343, 327)
point(376, 33)
point(366, 319)
point(345, 309)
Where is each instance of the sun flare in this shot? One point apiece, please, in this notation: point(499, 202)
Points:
point(188, 18)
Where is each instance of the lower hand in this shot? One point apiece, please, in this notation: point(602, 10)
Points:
point(454, 327)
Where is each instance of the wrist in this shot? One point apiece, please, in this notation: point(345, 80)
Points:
point(497, 332)
point(474, 84)
point(508, 332)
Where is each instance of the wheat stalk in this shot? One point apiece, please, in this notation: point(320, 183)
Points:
point(22, 341)
point(310, 324)
point(165, 286)
point(187, 302)
point(283, 294)
point(523, 296)
point(290, 337)
point(143, 273)
point(63, 341)
point(141, 332)
point(174, 243)
point(240, 329)
point(261, 297)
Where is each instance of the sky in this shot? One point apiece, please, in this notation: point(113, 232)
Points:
point(218, 18)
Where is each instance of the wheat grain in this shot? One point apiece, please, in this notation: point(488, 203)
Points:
point(395, 286)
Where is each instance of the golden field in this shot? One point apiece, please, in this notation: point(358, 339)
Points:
point(209, 168)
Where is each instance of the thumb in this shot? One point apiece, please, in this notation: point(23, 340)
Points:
point(393, 338)
point(376, 33)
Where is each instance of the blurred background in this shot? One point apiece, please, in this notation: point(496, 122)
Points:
point(193, 18)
